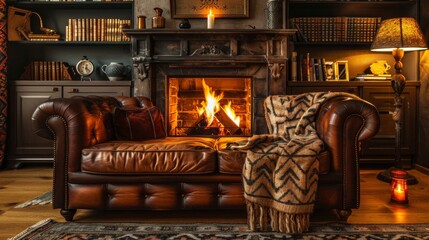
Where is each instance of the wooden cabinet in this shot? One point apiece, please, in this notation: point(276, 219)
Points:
point(21, 141)
point(23, 144)
point(380, 149)
point(383, 144)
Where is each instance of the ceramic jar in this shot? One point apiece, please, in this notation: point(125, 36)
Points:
point(158, 21)
point(116, 71)
point(184, 24)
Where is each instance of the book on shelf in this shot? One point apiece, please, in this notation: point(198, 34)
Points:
point(335, 29)
point(97, 29)
point(308, 69)
point(47, 71)
point(294, 67)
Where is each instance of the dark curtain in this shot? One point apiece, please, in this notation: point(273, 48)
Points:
point(3, 79)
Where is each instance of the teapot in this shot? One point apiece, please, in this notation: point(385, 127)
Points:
point(379, 67)
point(116, 71)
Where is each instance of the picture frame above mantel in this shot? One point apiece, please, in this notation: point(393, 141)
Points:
point(200, 8)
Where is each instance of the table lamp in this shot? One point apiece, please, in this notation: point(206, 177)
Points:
point(397, 35)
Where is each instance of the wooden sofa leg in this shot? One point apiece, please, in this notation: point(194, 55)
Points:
point(344, 214)
point(68, 214)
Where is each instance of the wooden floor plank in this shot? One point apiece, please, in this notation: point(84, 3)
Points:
point(17, 186)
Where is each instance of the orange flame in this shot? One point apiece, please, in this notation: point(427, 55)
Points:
point(231, 113)
point(211, 106)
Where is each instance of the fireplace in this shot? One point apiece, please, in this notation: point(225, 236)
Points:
point(218, 106)
point(240, 66)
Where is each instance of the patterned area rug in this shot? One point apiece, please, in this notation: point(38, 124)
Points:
point(49, 229)
point(43, 199)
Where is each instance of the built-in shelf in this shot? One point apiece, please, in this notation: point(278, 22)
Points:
point(72, 5)
point(74, 43)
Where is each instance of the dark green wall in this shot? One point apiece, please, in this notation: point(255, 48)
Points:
point(423, 154)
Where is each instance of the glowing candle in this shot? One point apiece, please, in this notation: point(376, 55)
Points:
point(399, 188)
point(210, 20)
point(399, 193)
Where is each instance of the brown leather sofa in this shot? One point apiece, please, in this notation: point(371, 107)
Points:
point(92, 170)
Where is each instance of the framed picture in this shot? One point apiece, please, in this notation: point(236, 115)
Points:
point(330, 76)
point(201, 8)
point(341, 70)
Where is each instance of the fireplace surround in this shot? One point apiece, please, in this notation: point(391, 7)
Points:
point(225, 58)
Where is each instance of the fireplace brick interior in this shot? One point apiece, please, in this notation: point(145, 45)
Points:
point(185, 94)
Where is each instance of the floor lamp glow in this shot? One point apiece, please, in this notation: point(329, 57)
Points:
point(397, 35)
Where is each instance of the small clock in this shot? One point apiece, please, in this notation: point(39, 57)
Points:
point(84, 68)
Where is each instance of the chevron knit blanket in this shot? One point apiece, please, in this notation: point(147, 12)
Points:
point(280, 174)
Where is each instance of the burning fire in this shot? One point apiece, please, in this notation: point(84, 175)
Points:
point(231, 113)
point(211, 105)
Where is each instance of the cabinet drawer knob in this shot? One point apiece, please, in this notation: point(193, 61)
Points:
point(55, 89)
point(75, 90)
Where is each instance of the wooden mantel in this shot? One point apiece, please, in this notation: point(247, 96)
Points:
point(165, 31)
point(232, 45)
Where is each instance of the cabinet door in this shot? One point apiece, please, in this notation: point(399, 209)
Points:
point(100, 91)
point(384, 142)
point(24, 144)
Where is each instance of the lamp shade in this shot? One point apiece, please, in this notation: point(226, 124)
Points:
point(403, 33)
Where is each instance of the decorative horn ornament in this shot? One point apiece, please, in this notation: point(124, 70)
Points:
point(276, 69)
point(42, 28)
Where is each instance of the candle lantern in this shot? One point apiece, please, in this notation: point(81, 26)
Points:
point(398, 186)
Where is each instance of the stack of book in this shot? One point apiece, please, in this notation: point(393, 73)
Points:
point(335, 29)
point(42, 37)
point(97, 29)
point(47, 71)
point(373, 77)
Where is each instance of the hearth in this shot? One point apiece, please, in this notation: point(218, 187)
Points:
point(240, 66)
point(219, 106)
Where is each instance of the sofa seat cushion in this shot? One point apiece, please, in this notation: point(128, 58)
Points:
point(232, 161)
point(171, 155)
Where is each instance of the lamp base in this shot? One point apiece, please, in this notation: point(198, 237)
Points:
point(385, 177)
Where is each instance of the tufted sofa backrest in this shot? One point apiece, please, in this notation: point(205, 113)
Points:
point(102, 109)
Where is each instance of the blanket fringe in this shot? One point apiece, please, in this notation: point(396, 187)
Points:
point(261, 218)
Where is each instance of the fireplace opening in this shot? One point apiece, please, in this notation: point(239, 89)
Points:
point(209, 106)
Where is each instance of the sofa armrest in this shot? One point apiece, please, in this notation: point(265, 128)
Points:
point(74, 123)
point(344, 123)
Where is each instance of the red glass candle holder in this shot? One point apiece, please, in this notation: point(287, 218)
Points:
point(398, 187)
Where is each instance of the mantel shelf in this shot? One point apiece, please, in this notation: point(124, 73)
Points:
point(209, 31)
